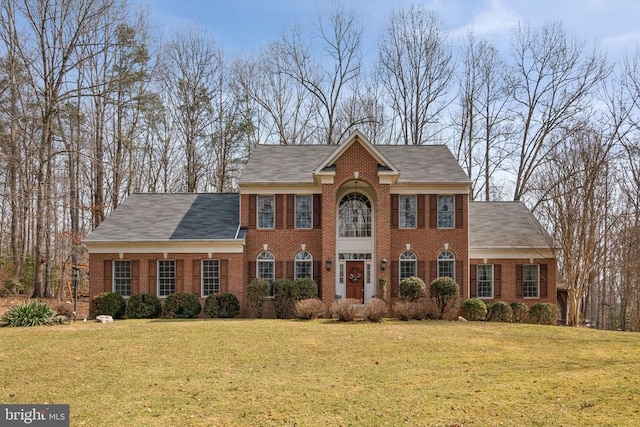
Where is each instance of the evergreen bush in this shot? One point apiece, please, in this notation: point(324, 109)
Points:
point(544, 313)
point(283, 299)
point(501, 312)
point(304, 289)
point(143, 306)
point(520, 311)
point(474, 309)
point(445, 291)
point(181, 305)
point(107, 303)
point(412, 289)
point(257, 291)
point(222, 305)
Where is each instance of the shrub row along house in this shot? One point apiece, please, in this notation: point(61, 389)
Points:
point(356, 217)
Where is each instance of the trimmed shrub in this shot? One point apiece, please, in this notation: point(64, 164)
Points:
point(181, 305)
point(445, 291)
point(108, 303)
point(543, 313)
point(257, 291)
point(223, 306)
point(489, 308)
point(501, 312)
point(143, 306)
point(310, 308)
point(346, 309)
point(304, 289)
point(474, 309)
point(520, 311)
point(412, 289)
point(283, 300)
point(29, 313)
point(375, 309)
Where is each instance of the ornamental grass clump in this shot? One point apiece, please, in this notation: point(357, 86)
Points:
point(143, 306)
point(474, 309)
point(181, 305)
point(375, 310)
point(346, 309)
point(109, 304)
point(310, 308)
point(29, 313)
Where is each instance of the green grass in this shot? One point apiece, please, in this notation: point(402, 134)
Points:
point(207, 372)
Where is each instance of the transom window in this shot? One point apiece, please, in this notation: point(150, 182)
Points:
point(266, 211)
point(210, 277)
point(166, 277)
point(122, 277)
point(445, 211)
point(485, 280)
point(304, 211)
point(446, 264)
point(354, 216)
point(408, 261)
point(530, 280)
point(304, 265)
point(265, 266)
point(407, 211)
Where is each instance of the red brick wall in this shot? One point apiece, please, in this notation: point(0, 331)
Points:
point(234, 283)
point(508, 285)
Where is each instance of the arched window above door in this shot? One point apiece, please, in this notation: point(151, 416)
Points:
point(354, 216)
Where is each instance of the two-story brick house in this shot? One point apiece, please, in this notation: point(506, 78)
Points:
point(346, 216)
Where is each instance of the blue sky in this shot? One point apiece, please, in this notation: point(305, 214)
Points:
point(245, 26)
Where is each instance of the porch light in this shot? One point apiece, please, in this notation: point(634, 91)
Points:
point(383, 264)
point(329, 264)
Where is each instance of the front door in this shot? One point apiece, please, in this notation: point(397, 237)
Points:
point(355, 280)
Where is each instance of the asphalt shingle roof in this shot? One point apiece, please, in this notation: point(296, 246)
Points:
point(504, 225)
point(158, 217)
point(295, 163)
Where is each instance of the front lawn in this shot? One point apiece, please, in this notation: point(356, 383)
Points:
point(208, 372)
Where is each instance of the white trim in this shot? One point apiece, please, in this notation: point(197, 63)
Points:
point(514, 252)
point(163, 246)
point(443, 189)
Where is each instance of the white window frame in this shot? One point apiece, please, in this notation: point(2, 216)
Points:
point(215, 279)
point(260, 212)
point(309, 212)
point(535, 282)
point(442, 211)
point(303, 258)
point(263, 258)
point(404, 214)
point(362, 223)
point(407, 258)
point(115, 278)
point(491, 281)
point(444, 257)
point(159, 279)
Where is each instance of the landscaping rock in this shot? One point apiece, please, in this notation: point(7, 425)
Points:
point(461, 319)
point(104, 318)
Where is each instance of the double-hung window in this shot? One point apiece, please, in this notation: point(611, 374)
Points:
point(531, 281)
point(304, 265)
point(265, 266)
point(304, 206)
point(485, 280)
point(407, 211)
point(166, 277)
point(266, 211)
point(122, 277)
point(445, 212)
point(408, 267)
point(446, 264)
point(210, 277)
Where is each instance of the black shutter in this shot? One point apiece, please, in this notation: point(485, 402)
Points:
point(291, 211)
point(519, 282)
point(317, 210)
point(433, 211)
point(252, 211)
point(394, 211)
point(473, 280)
point(279, 211)
point(543, 280)
point(459, 210)
point(497, 281)
point(421, 211)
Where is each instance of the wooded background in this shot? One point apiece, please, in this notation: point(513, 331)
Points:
point(94, 107)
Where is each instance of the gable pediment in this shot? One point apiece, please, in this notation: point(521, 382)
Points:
point(387, 172)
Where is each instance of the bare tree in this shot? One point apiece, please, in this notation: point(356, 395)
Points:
point(417, 70)
point(553, 81)
point(325, 79)
point(483, 123)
